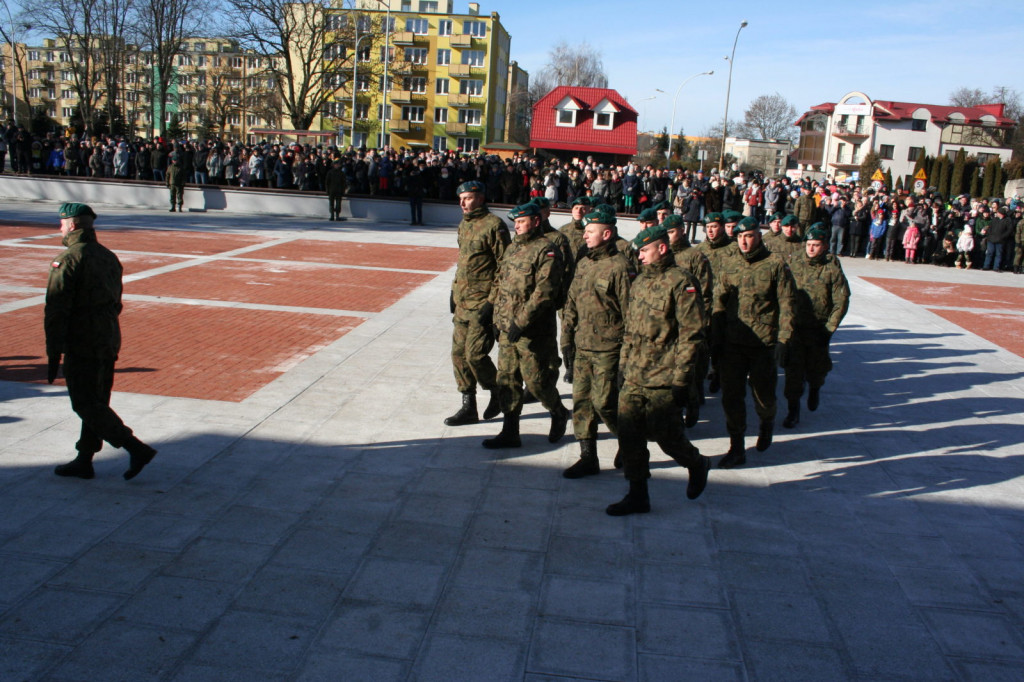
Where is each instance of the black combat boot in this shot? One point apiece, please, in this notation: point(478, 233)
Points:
point(617, 462)
point(587, 464)
point(466, 413)
point(737, 456)
point(764, 436)
point(636, 501)
point(559, 419)
point(80, 467)
point(509, 436)
point(140, 455)
point(692, 414)
point(698, 477)
point(793, 416)
point(493, 408)
point(813, 398)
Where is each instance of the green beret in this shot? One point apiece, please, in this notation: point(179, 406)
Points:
point(581, 201)
point(648, 215)
point(712, 218)
point(662, 205)
point(527, 210)
point(471, 186)
point(649, 235)
point(776, 216)
point(542, 202)
point(748, 224)
point(73, 210)
point(607, 208)
point(817, 231)
point(599, 217)
point(672, 222)
point(790, 220)
point(731, 216)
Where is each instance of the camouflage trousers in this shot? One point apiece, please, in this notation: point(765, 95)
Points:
point(650, 414)
point(737, 366)
point(527, 361)
point(471, 345)
point(595, 392)
point(700, 370)
point(177, 193)
point(808, 363)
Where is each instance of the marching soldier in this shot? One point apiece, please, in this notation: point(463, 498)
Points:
point(788, 242)
point(483, 239)
point(523, 301)
point(593, 322)
point(573, 230)
point(717, 247)
point(663, 330)
point(774, 233)
point(751, 325)
point(822, 299)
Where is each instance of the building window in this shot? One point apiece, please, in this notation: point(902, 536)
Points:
point(333, 109)
point(251, 119)
point(473, 57)
point(441, 86)
point(200, 47)
point(358, 139)
point(390, 54)
point(469, 144)
point(471, 87)
point(444, 27)
point(235, 119)
point(67, 94)
point(33, 74)
point(383, 140)
point(919, 124)
point(417, 26)
point(427, 6)
point(363, 54)
point(444, 57)
point(362, 111)
point(67, 112)
point(566, 117)
point(914, 152)
point(603, 120)
point(33, 55)
point(334, 80)
point(406, 5)
point(65, 76)
point(470, 116)
point(441, 115)
point(440, 143)
point(417, 84)
point(335, 51)
point(202, 61)
point(416, 55)
point(362, 82)
point(33, 93)
point(477, 29)
point(886, 151)
point(383, 112)
point(184, 60)
point(840, 152)
point(413, 114)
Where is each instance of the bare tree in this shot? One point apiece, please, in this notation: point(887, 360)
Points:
point(769, 117)
point(971, 97)
point(579, 64)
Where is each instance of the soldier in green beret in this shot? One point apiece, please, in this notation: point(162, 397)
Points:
point(647, 218)
point(822, 299)
point(664, 328)
point(789, 241)
point(718, 248)
point(592, 322)
point(573, 230)
point(83, 303)
point(694, 262)
point(662, 210)
point(524, 297)
point(568, 268)
point(730, 219)
point(176, 183)
point(483, 239)
point(774, 233)
point(751, 325)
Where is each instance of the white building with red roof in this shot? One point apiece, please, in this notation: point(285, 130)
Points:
point(573, 121)
point(835, 137)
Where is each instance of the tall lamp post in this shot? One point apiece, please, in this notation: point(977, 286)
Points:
point(387, 49)
point(672, 124)
point(728, 90)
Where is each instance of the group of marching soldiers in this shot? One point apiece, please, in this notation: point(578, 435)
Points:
point(642, 324)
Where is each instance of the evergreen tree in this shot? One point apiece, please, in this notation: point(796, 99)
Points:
point(998, 181)
point(975, 187)
point(987, 177)
point(899, 184)
point(662, 145)
point(872, 162)
point(888, 179)
point(933, 171)
point(943, 174)
point(956, 183)
point(174, 129)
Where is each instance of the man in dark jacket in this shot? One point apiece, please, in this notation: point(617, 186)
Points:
point(1000, 232)
point(83, 302)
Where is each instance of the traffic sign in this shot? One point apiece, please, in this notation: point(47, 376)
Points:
point(878, 175)
point(876, 185)
point(921, 175)
point(918, 185)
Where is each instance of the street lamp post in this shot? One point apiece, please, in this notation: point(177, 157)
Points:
point(728, 90)
point(672, 124)
point(387, 56)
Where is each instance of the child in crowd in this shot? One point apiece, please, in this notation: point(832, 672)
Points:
point(911, 238)
point(964, 247)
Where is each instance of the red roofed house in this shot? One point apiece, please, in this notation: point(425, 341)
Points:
point(834, 138)
point(573, 121)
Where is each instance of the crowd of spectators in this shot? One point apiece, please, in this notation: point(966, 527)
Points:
point(920, 228)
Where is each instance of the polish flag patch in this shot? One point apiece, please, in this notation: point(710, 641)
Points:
point(55, 264)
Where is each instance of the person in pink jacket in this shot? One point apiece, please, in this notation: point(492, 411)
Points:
point(911, 238)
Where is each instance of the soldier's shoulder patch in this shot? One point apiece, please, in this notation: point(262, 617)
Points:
point(691, 290)
point(55, 264)
point(549, 253)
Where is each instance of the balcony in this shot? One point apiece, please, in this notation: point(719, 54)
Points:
point(461, 40)
point(455, 128)
point(846, 131)
point(458, 100)
point(398, 126)
point(401, 96)
point(403, 38)
point(459, 70)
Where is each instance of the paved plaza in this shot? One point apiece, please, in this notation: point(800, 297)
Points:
point(310, 517)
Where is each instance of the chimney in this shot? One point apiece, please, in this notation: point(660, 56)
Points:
point(474, 8)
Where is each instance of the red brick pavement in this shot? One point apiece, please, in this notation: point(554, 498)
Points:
point(989, 297)
point(431, 259)
point(31, 267)
point(181, 242)
point(1006, 331)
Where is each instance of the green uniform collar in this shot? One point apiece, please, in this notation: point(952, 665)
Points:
point(606, 250)
point(757, 254)
point(477, 213)
point(80, 235)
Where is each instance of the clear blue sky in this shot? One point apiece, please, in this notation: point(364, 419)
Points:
point(905, 50)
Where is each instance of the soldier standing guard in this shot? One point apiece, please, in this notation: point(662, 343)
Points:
point(592, 322)
point(751, 324)
point(523, 300)
point(664, 328)
point(176, 182)
point(822, 299)
point(335, 183)
point(483, 239)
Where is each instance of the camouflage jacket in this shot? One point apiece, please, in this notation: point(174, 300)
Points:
point(664, 326)
point(568, 260)
point(625, 247)
point(83, 299)
point(718, 251)
point(529, 282)
point(787, 247)
point(1020, 232)
point(483, 239)
point(822, 292)
point(696, 262)
point(754, 300)
point(595, 310)
point(805, 209)
point(771, 238)
point(573, 230)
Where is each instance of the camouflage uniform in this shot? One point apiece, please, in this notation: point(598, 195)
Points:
point(717, 252)
point(753, 310)
point(805, 209)
point(483, 239)
point(526, 293)
point(626, 249)
point(770, 239)
point(573, 231)
point(786, 246)
point(664, 329)
point(1018, 256)
point(822, 299)
point(694, 261)
point(593, 321)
